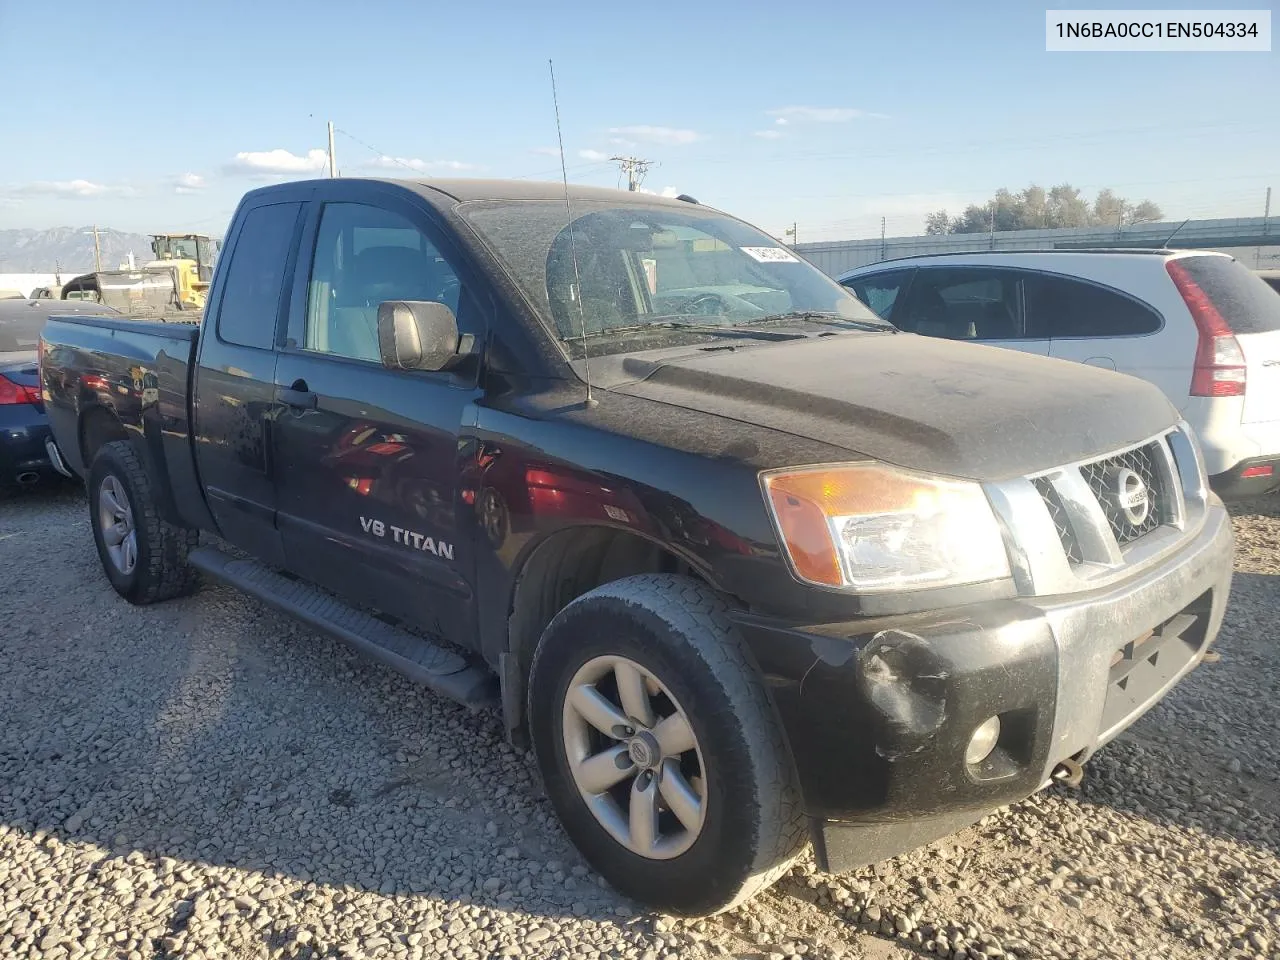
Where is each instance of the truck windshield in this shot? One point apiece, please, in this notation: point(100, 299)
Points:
point(639, 267)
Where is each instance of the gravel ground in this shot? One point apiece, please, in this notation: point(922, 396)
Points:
point(205, 778)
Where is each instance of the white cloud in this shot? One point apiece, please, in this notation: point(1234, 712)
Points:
point(65, 188)
point(278, 161)
point(671, 192)
point(670, 136)
point(420, 166)
point(188, 183)
point(622, 142)
point(819, 114)
point(769, 134)
point(593, 155)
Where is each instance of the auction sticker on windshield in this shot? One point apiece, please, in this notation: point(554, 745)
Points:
point(770, 254)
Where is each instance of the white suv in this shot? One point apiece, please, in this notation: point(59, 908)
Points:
point(1198, 324)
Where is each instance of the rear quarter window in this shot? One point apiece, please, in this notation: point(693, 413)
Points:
point(1240, 295)
point(1062, 307)
point(255, 276)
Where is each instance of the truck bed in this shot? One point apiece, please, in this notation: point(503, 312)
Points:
point(137, 369)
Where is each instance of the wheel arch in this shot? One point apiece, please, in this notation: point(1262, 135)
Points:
point(556, 571)
point(99, 425)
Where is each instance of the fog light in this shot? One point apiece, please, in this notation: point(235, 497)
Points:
point(983, 741)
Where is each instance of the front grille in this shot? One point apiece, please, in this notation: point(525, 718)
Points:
point(1058, 513)
point(1103, 479)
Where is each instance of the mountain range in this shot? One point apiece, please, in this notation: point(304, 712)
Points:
point(68, 250)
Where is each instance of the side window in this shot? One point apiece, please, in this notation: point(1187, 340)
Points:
point(1060, 307)
point(880, 291)
point(255, 276)
point(365, 255)
point(964, 303)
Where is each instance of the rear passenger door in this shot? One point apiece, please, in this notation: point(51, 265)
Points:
point(367, 458)
point(1100, 326)
point(235, 378)
point(980, 304)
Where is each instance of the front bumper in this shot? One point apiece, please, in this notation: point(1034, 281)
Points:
point(879, 712)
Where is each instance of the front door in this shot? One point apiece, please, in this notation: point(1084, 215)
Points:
point(366, 457)
point(982, 304)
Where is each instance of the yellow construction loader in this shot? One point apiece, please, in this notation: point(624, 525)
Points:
point(176, 280)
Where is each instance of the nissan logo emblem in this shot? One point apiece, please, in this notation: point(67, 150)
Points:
point(1130, 494)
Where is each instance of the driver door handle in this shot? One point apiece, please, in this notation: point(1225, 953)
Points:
point(298, 396)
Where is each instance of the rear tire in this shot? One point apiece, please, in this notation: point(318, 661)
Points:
point(734, 821)
point(143, 556)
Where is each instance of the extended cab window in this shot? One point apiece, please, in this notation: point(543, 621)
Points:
point(880, 291)
point(964, 303)
point(364, 256)
point(255, 276)
point(1060, 307)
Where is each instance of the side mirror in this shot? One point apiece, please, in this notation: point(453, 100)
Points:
point(417, 335)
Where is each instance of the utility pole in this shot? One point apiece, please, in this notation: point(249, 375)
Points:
point(97, 250)
point(634, 168)
point(1266, 228)
point(791, 232)
point(333, 170)
point(991, 234)
point(882, 247)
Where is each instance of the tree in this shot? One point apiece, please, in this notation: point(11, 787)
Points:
point(1037, 209)
point(937, 224)
point(1145, 212)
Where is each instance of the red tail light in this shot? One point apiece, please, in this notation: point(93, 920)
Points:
point(11, 393)
point(1219, 370)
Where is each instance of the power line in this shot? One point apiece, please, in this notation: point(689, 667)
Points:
point(376, 151)
point(1196, 131)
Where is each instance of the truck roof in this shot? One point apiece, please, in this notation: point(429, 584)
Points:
point(468, 188)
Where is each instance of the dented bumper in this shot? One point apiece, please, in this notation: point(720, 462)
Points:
point(879, 712)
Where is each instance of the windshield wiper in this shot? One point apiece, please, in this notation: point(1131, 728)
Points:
point(716, 330)
point(817, 316)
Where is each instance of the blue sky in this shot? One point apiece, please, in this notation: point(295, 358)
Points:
point(830, 115)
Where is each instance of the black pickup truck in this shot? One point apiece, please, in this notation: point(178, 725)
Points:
point(746, 566)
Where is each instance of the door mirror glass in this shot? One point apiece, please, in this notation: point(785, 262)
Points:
point(417, 335)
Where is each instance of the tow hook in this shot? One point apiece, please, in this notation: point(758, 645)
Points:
point(1069, 772)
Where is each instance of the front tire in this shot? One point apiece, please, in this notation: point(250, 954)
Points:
point(144, 556)
point(660, 749)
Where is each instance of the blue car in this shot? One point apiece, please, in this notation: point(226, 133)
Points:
point(27, 451)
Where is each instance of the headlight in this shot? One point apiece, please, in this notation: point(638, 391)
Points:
point(876, 528)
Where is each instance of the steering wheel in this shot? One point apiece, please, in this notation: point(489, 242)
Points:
point(706, 305)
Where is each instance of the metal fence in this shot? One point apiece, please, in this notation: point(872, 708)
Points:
point(1255, 241)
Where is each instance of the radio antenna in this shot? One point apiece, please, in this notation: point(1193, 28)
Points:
point(573, 247)
point(1165, 245)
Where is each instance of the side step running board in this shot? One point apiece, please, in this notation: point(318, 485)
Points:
point(422, 661)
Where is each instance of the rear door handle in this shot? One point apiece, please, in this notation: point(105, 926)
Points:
point(298, 396)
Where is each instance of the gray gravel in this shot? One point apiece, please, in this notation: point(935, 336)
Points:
point(204, 778)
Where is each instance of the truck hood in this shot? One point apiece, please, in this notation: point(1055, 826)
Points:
point(939, 406)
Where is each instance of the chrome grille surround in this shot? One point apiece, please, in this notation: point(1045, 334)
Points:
point(1063, 535)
